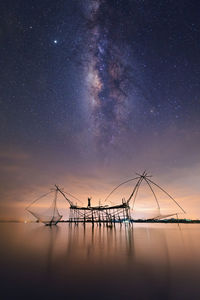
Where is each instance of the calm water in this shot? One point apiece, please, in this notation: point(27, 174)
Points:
point(143, 261)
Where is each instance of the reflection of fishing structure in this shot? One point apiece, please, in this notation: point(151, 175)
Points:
point(102, 213)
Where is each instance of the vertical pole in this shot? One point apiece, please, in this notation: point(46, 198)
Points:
point(178, 220)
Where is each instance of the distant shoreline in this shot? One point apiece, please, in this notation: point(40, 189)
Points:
point(169, 221)
point(185, 221)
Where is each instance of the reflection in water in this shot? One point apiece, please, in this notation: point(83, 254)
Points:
point(141, 261)
point(52, 232)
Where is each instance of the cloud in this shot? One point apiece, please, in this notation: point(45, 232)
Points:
point(14, 155)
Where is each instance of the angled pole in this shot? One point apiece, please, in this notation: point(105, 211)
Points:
point(67, 193)
point(69, 201)
point(54, 205)
point(136, 192)
point(135, 188)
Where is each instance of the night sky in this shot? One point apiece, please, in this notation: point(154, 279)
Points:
point(92, 91)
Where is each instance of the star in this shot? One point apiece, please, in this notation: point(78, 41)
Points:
point(55, 41)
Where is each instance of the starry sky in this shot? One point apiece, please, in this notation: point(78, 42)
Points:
point(92, 91)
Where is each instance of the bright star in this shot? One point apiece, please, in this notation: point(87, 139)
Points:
point(55, 42)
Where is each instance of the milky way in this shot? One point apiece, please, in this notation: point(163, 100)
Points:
point(107, 73)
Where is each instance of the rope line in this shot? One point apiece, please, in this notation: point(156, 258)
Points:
point(119, 186)
point(38, 199)
point(167, 195)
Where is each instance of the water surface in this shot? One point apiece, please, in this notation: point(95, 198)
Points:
point(139, 261)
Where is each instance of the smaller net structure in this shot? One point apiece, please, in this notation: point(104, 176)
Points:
point(150, 214)
point(44, 208)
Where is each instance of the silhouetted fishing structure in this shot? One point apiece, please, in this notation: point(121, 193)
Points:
point(101, 213)
point(46, 212)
